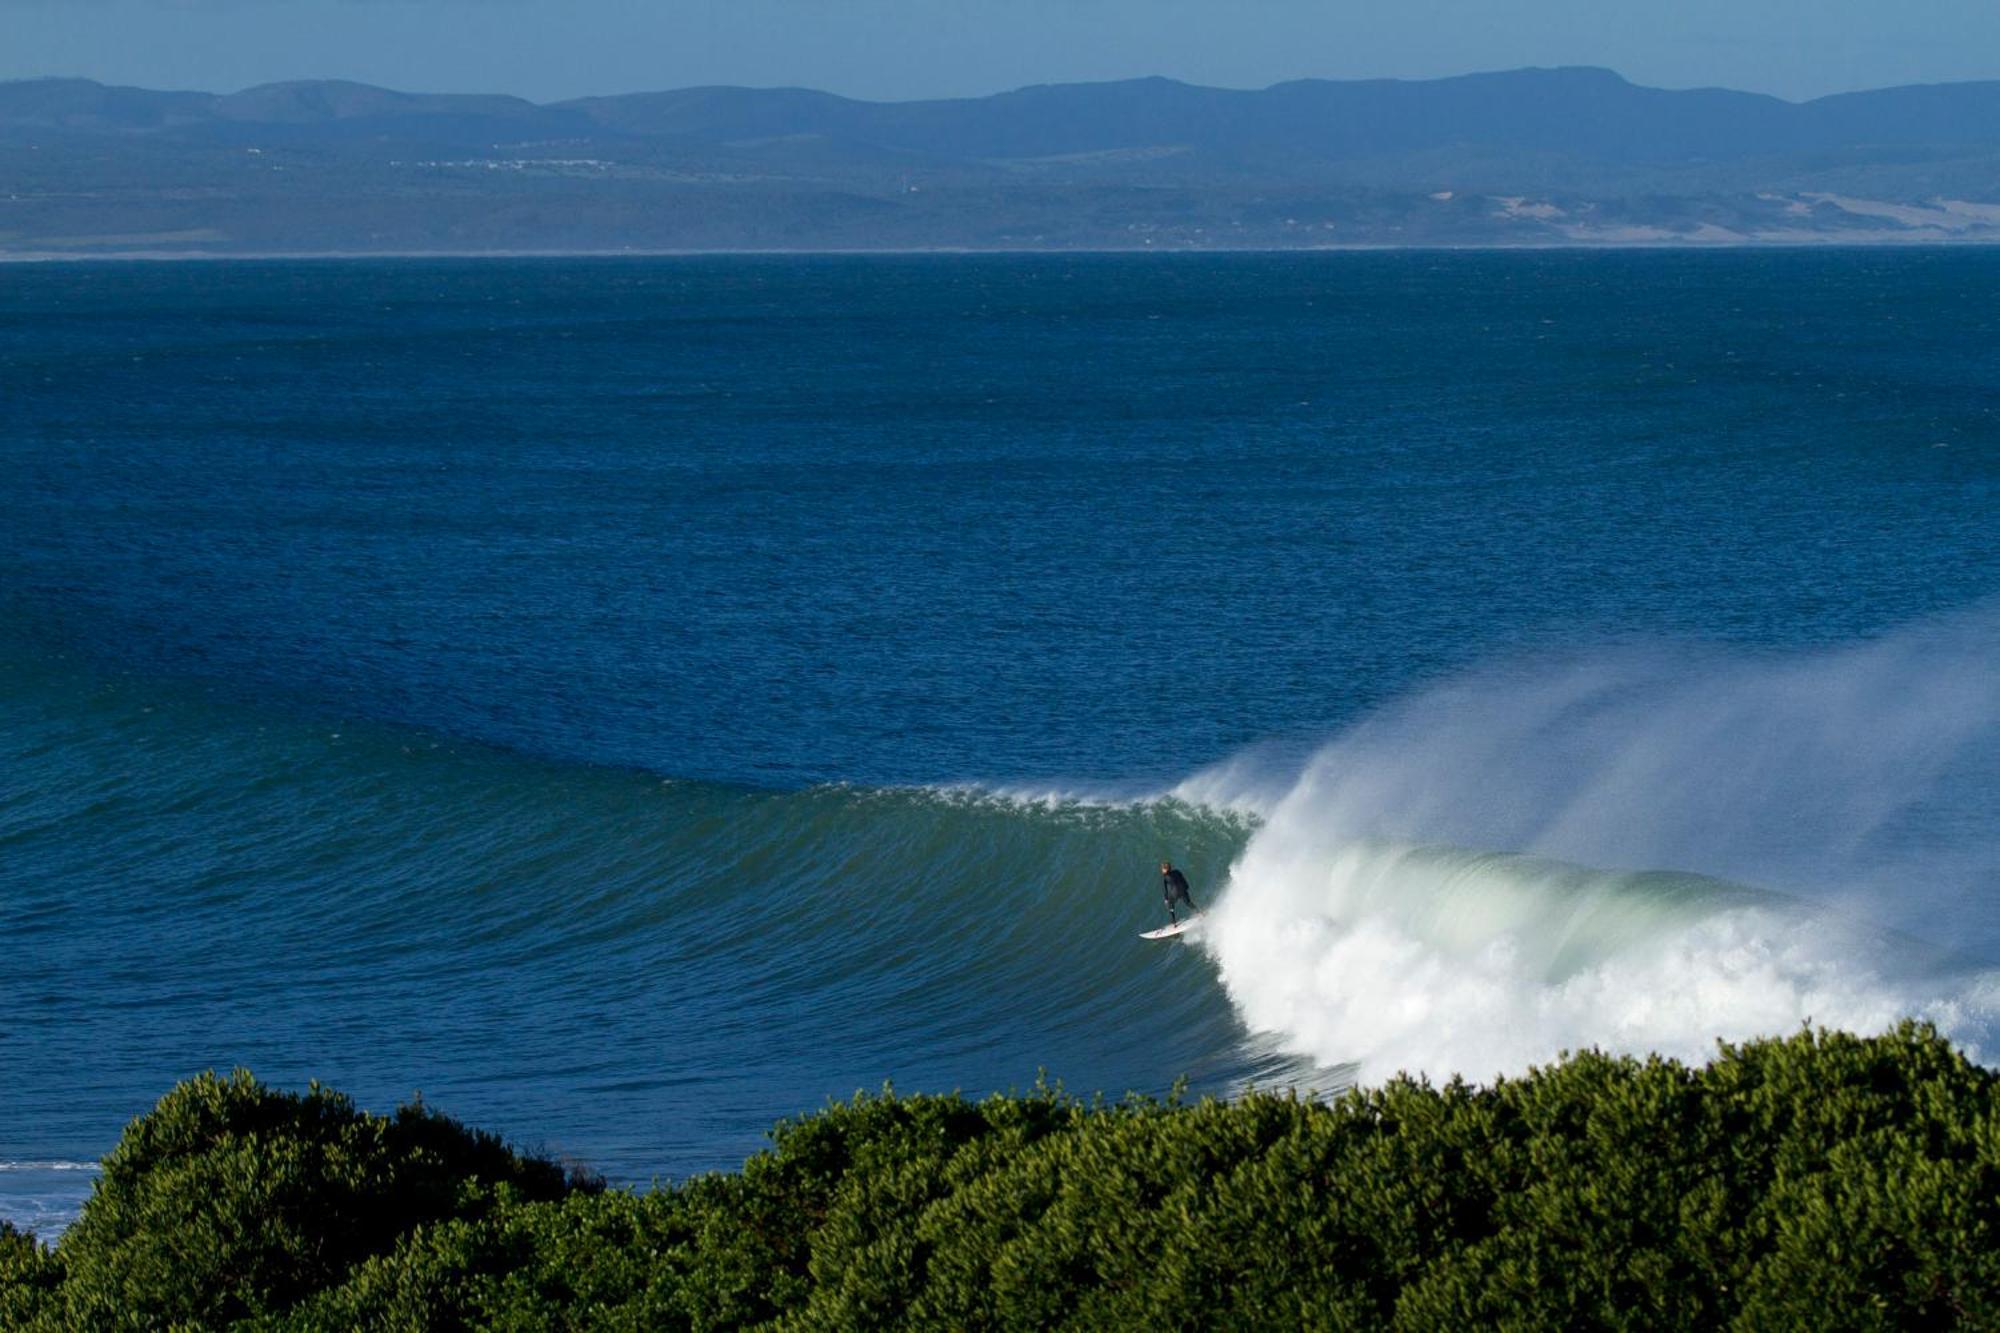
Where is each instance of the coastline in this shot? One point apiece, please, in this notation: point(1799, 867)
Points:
point(1886, 241)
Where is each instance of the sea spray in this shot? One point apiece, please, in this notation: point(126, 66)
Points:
point(1361, 925)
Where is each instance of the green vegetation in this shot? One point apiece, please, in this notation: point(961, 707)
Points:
point(1820, 1181)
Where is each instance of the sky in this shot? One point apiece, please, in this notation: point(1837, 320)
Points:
point(899, 49)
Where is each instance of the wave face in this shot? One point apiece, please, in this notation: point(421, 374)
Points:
point(645, 972)
point(1852, 786)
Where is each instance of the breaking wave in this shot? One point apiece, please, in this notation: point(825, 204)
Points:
point(1552, 856)
point(1641, 850)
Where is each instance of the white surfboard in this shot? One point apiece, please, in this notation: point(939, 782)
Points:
point(1168, 932)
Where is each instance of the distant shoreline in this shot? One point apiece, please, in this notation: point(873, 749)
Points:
point(275, 256)
point(1563, 158)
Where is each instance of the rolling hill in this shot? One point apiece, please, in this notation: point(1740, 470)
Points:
point(1528, 157)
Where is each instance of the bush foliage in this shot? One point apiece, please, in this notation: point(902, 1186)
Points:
point(1824, 1180)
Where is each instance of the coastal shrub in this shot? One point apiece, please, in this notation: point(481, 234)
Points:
point(29, 1277)
point(1824, 1181)
point(230, 1200)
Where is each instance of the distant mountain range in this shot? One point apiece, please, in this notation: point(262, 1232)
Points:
point(1530, 157)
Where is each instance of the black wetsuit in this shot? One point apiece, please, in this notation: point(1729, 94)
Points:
point(1173, 887)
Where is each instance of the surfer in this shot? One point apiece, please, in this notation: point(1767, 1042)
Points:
point(1174, 888)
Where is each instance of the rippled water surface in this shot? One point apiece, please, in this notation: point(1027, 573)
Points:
point(630, 701)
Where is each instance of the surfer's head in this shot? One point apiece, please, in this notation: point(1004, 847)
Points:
point(1165, 866)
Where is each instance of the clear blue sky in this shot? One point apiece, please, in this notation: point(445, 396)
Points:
point(547, 49)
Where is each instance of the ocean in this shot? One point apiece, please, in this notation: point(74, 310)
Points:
point(629, 701)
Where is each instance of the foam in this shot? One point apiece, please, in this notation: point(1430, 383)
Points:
point(1362, 924)
point(43, 1197)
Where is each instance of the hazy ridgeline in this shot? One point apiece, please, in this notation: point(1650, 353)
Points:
point(1528, 157)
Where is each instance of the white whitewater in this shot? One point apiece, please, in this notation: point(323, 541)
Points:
point(1459, 885)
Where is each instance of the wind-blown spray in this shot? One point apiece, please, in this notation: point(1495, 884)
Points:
point(1461, 884)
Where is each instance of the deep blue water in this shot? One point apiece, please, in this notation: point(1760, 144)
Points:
point(634, 700)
